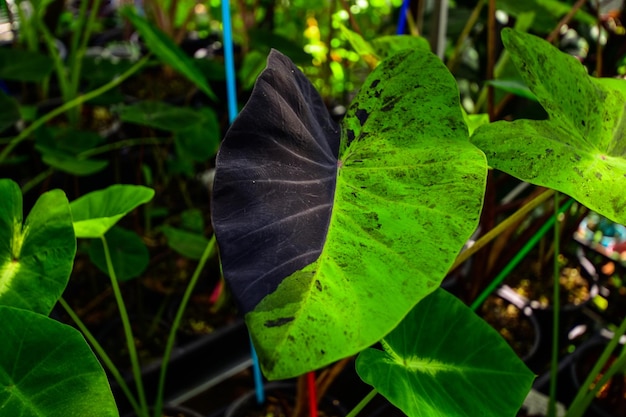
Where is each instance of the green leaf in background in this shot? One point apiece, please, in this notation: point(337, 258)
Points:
point(96, 212)
point(160, 115)
point(10, 111)
point(61, 149)
point(129, 254)
point(36, 258)
point(581, 149)
point(467, 370)
point(200, 141)
point(547, 12)
point(474, 121)
point(192, 220)
point(252, 65)
point(514, 87)
point(47, 368)
point(167, 51)
point(20, 65)
point(384, 46)
point(188, 244)
point(264, 40)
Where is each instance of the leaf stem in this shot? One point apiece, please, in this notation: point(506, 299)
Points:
point(357, 409)
point(104, 357)
point(556, 309)
point(584, 396)
point(501, 227)
point(517, 258)
point(128, 331)
point(24, 134)
point(209, 250)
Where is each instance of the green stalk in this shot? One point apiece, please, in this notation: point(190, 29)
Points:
point(357, 409)
point(68, 105)
point(78, 52)
point(517, 258)
point(501, 227)
point(209, 250)
point(556, 309)
point(40, 177)
point(118, 145)
point(102, 355)
point(128, 331)
point(584, 396)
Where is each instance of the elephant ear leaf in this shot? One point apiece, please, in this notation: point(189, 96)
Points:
point(329, 234)
point(580, 149)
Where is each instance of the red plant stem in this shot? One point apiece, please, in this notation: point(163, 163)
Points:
point(310, 382)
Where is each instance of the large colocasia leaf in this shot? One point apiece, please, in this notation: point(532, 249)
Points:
point(444, 361)
point(328, 234)
point(580, 149)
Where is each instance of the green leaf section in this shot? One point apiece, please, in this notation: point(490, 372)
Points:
point(129, 255)
point(96, 212)
point(20, 65)
point(167, 51)
point(62, 148)
point(468, 370)
point(188, 244)
point(408, 195)
point(36, 257)
point(160, 115)
point(581, 149)
point(47, 368)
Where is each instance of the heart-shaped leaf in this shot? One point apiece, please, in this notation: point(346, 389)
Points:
point(167, 51)
point(466, 370)
point(129, 255)
point(327, 245)
point(47, 368)
point(36, 257)
point(581, 149)
point(96, 212)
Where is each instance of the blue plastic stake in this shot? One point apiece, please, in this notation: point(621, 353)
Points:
point(231, 95)
point(402, 20)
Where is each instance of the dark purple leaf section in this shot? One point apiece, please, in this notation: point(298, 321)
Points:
point(274, 183)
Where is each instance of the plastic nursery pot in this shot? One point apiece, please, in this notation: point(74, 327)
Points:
point(578, 283)
point(174, 411)
point(610, 400)
point(510, 315)
point(280, 397)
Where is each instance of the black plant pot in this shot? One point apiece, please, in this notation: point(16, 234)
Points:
point(511, 316)
point(195, 366)
point(611, 399)
point(280, 396)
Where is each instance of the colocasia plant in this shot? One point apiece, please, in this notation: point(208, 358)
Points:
point(335, 237)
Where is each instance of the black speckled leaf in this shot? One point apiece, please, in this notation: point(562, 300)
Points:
point(328, 243)
point(581, 149)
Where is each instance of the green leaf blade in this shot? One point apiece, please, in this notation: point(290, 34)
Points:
point(580, 149)
point(36, 258)
point(167, 51)
point(47, 368)
point(466, 371)
point(95, 213)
